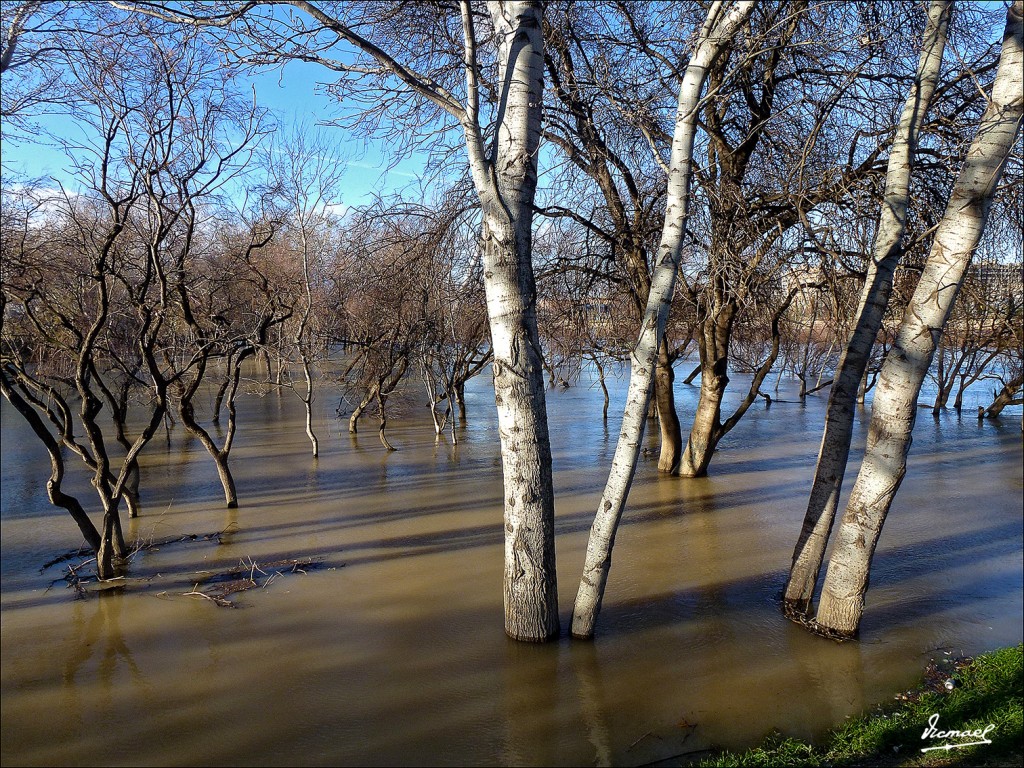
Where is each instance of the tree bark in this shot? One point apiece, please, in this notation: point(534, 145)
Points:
point(715, 35)
point(706, 430)
point(671, 435)
point(506, 184)
point(1006, 396)
point(895, 404)
point(852, 370)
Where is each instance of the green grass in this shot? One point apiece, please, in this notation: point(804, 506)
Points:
point(989, 690)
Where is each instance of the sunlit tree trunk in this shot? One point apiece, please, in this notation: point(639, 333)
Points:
point(851, 372)
point(506, 183)
point(716, 34)
point(307, 401)
point(301, 342)
point(1006, 396)
point(668, 418)
point(705, 432)
point(895, 403)
point(186, 412)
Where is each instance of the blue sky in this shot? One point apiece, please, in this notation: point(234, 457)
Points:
point(292, 95)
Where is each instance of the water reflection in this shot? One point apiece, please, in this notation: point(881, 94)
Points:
point(393, 651)
point(593, 704)
point(96, 640)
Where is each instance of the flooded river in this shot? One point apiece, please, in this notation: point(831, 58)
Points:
point(392, 650)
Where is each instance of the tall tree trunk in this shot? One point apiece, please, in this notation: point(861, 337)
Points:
point(851, 373)
point(307, 401)
point(715, 36)
point(706, 430)
point(895, 404)
point(506, 183)
point(671, 436)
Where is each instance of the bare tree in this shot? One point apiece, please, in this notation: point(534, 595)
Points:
point(412, 62)
point(601, 64)
point(86, 301)
point(895, 403)
point(307, 171)
point(36, 39)
point(716, 34)
point(888, 248)
point(770, 161)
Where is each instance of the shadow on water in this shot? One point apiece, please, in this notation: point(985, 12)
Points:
point(891, 566)
point(399, 657)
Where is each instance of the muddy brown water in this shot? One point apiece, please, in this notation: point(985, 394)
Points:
point(392, 651)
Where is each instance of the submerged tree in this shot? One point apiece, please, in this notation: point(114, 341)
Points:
point(81, 301)
point(306, 173)
point(70, 335)
point(895, 404)
point(888, 248)
point(424, 69)
point(715, 36)
point(93, 329)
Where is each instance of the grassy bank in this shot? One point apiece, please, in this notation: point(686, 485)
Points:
point(987, 690)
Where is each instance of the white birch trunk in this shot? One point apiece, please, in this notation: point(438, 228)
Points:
point(716, 34)
point(895, 404)
point(307, 401)
point(506, 183)
point(888, 249)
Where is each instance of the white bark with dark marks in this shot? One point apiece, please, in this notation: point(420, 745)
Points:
point(888, 249)
point(904, 370)
point(506, 182)
point(715, 35)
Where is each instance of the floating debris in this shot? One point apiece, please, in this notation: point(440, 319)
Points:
point(938, 679)
point(220, 585)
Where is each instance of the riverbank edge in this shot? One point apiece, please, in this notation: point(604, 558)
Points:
point(987, 690)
